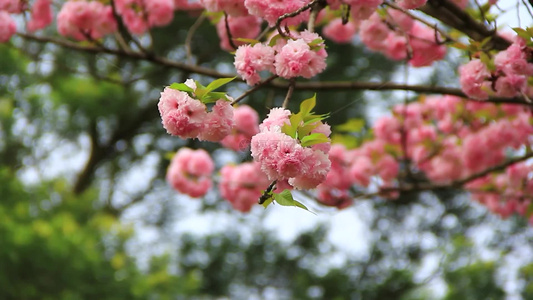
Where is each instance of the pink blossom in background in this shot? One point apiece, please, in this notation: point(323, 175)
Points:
point(362, 9)
point(234, 8)
point(190, 172)
point(426, 50)
point(473, 77)
point(41, 15)
point(247, 27)
point(400, 19)
point(219, 122)
point(13, 6)
point(373, 33)
point(7, 27)
point(82, 19)
point(140, 15)
point(410, 4)
point(246, 126)
point(242, 185)
point(338, 32)
point(271, 10)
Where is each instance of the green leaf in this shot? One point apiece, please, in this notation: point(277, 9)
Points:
point(181, 87)
point(353, 125)
point(267, 202)
point(291, 130)
point(316, 42)
point(307, 105)
point(285, 199)
point(306, 129)
point(522, 33)
point(218, 83)
point(313, 139)
point(213, 97)
point(247, 41)
point(274, 40)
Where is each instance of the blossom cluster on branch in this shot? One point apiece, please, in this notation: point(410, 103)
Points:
point(433, 142)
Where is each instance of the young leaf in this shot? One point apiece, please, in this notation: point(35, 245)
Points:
point(213, 97)
point(307, 105)
point(313, 139)
point(306, 129)
point(274, 40)
point(181, 87)
point(218, 83)
point(267, 202)
point(247, 41)
point(285, 199)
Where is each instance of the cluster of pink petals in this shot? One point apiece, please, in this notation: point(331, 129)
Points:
point(410, 4)
point(338, 32)
point(247, 27)
point(84, 20)
point(271, 10)
point(242, 185)
point(246, 126)
point(506, 193)
point(283, 158)
point(13, 6)
point(190, 172)
point(41, 15)
point(7, 27)
point(139, 15)
point(234, 8)
point(509, 79)
point(186, 117)
point(334, 191)
point(287, 59)
point(250, 60)
point(378, 36)
point(449, 140)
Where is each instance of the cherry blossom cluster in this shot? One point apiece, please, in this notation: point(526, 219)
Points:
point(288, 158)
point(506, 75)
point(242, 184)
point(246, 126)
point(396, 35)
point(187, 117)
point(190, 172)
point(302, 55)
point(41, 16)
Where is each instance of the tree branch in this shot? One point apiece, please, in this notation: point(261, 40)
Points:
point(453, 16)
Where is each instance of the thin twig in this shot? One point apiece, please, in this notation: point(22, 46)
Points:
point(228, 32)
point(289, 93)
point(253, 89)
point(190, 34)
point(292, 14)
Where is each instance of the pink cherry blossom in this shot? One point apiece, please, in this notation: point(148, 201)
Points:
point(246, 126)
point(7, 27)
point(250, 60)
point(41, 15)
point(338, 32)
point(247, 27)
point(242, 185)
point(190, 172)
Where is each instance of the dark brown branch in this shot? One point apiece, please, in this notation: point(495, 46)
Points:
point(384, 86)
point(453, 16)
point(316, 86)
point(459, 183)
